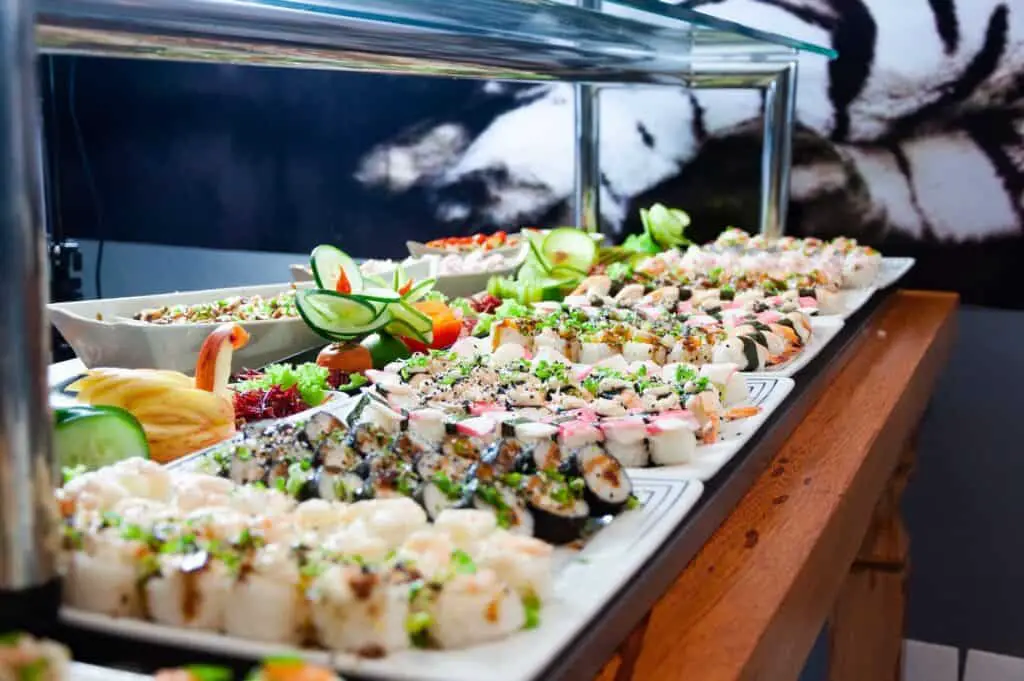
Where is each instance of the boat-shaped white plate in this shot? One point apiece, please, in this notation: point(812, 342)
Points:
point(766, 392)
point(824, 329)
point(103, 333)
point(892, 270)
point(585, 581)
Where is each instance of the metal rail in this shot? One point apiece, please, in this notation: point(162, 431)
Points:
point(27, 476)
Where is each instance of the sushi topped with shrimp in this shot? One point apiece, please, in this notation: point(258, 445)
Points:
point(372, 577)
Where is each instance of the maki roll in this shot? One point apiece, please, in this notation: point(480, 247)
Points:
point(556, 502)
point(440, 493)
point(606, 486)
point(320, 426)
point(510, 511)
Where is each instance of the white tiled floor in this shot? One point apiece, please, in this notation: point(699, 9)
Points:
point(932, 662)
point(983, 666)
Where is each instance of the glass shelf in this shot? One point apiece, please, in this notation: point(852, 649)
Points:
point(505, 39)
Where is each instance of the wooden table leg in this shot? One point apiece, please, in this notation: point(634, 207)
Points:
point(620, 667)
point(866, 625)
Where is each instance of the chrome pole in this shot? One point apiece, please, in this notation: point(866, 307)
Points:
point(587, 194)
point(777, 152)
point(29, 592)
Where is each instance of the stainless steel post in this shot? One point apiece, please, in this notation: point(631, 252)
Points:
point(28, 539)
point(777, 153)
point(587, 194)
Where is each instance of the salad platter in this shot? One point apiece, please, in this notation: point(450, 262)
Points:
point(467, 479)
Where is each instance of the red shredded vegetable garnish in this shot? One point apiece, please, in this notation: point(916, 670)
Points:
point(484, 302)
point(272, 403)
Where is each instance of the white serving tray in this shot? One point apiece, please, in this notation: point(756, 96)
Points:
point(118, 341)
point(585, 581)
point(853, 299)
point(892, 270)
point(767, 392)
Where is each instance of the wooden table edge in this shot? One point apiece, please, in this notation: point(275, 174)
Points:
point(713, 623)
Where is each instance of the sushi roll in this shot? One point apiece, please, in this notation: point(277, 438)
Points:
point(390, 519)
point(354, 609)
point(430, 550)
point(524, 563)
point(625, 440)
point(189, 590)
point(512, 331)
point(321, 425)
point(267, 603)
point(103, 571)
point(440, 493)
point(743, 351)
point(469, 528)
point(509, 510)
point(800, 323)
point(428, 425)
point(762, 333)
point(556, 503)
point(673, 440)
point(731, 384)
point(606, 486)
point(338, 485)
point(472, 608)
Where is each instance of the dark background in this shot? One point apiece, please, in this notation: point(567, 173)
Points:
point(242, 158)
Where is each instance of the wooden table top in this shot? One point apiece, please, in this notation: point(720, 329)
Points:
point(752, 602)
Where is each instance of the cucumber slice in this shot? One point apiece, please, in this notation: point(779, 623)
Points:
point(378, 295)
point(97, 436)
point(531, 271)
point(327, 261)
point(421, 324)
point(537, 259)
point(419, 290)
point(372, 280)
point(568, 247)
point(567, 273)
point(337, 315)
point(400, 329)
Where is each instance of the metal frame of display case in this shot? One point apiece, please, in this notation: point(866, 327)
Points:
point(530, 40)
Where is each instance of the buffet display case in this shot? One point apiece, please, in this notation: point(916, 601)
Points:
point(603, 589)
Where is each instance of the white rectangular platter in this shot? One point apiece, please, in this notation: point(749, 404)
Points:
point(824, 329)
point(853, 300)
point(892, 270)
point(767, 392)
point(584, 582)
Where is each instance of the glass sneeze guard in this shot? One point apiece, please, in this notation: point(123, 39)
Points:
point(536, 40)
